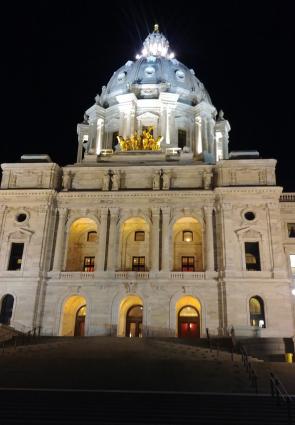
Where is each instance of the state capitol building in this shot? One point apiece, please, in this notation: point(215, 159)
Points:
point(156, 230)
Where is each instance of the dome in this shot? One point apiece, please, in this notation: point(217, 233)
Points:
point(154, 71)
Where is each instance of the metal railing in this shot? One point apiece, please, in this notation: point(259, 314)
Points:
point(23, 339)
point(240, 349)
point(279, 392)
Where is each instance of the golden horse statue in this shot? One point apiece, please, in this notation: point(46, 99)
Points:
point(144, 141)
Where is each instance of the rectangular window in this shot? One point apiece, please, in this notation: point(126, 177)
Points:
point(188, 264)
point(291, 230)
point(16, 255)
point(114, 139)
point(139, 236)
point(252, 256)
point(292, 263)
point(91, 236)
point(181, 138)
point(88, 264)
point(187, 236)
point(138, 264)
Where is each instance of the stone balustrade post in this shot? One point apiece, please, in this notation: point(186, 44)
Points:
point(60, 239)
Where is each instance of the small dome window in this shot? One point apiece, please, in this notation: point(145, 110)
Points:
point(21, 217)
point(149, 71)
point(121, 76)
point(249, 215)
point(180, 75)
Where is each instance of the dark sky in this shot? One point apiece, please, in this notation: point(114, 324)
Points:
point(57, 55)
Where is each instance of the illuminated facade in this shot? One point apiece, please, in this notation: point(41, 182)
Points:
point(155, 230)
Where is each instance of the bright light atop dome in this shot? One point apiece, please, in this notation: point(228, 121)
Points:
point(293, 291)
point(156, 44)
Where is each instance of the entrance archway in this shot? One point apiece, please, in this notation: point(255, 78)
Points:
point(6, 309)
point(188, 322)
point(130, 316)
point(188, 317)
point(74, 316)
point(134, 321)
point(80, 321)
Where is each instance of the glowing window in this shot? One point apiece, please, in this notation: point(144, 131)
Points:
point(256, 307)
point(89, 264)
point(92, 236)
point(16, 255)
point(139, 236)
point(138, 264)
point(252, 256)
point(187, 236)
point(188, 264)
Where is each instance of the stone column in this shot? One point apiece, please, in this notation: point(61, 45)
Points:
point(99, 135)
point(198, 136)
point(154, 242)
point(165, 239)
point(209, 245)
point(112, 247)
point(102, 242)
point(60, 240)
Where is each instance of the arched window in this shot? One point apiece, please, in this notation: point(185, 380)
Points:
point(6, 309)
point(256, 308)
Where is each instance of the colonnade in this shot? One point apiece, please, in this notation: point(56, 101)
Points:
point(160, 224)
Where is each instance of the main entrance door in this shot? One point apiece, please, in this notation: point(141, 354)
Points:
point(6, 309)
point(134, 321)
point(80, 321)
point(188, 322)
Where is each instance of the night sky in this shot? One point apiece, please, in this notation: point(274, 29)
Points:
point(57, 55)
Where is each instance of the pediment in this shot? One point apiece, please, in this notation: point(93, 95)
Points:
point(21, 234)
point(247, 232)
point(147, 116)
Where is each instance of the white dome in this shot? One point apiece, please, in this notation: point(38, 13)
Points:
point(155, 71)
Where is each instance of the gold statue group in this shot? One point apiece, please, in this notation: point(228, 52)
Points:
point(142, 142)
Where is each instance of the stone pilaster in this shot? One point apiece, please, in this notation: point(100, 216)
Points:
point(278, 256)
point(208, 211)
point(154, 242)
point(60, 240)
point(112, 245)
point(198, 136)
point(2, 214)
point(101, 251)
point(165, 239)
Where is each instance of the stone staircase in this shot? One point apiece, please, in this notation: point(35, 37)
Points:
point(109, 380)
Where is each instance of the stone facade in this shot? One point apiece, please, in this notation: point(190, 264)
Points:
point(180, 227)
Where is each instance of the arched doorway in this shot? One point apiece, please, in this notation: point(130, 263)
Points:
point(130, 312)
point(188, 317)
point(188, 322)
point(256, 307)
point(80, 321)
point(74, 316)
point(6, 309)
point(134, 321)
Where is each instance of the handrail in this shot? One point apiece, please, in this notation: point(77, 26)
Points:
point(278, 391)
point(23, 339)
point(213, 345)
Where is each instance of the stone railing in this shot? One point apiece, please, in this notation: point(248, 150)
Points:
point(132, 275)
point(288, 197)
point(76, 275)
point(187, 275)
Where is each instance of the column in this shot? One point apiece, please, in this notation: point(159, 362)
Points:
point(102, 242)
point(99, 135)
point(2, 212)
point(165, 238)
point(112, 248)
point(198, 136)
point(60, 240)
point(154, 243)
point(209, 239)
